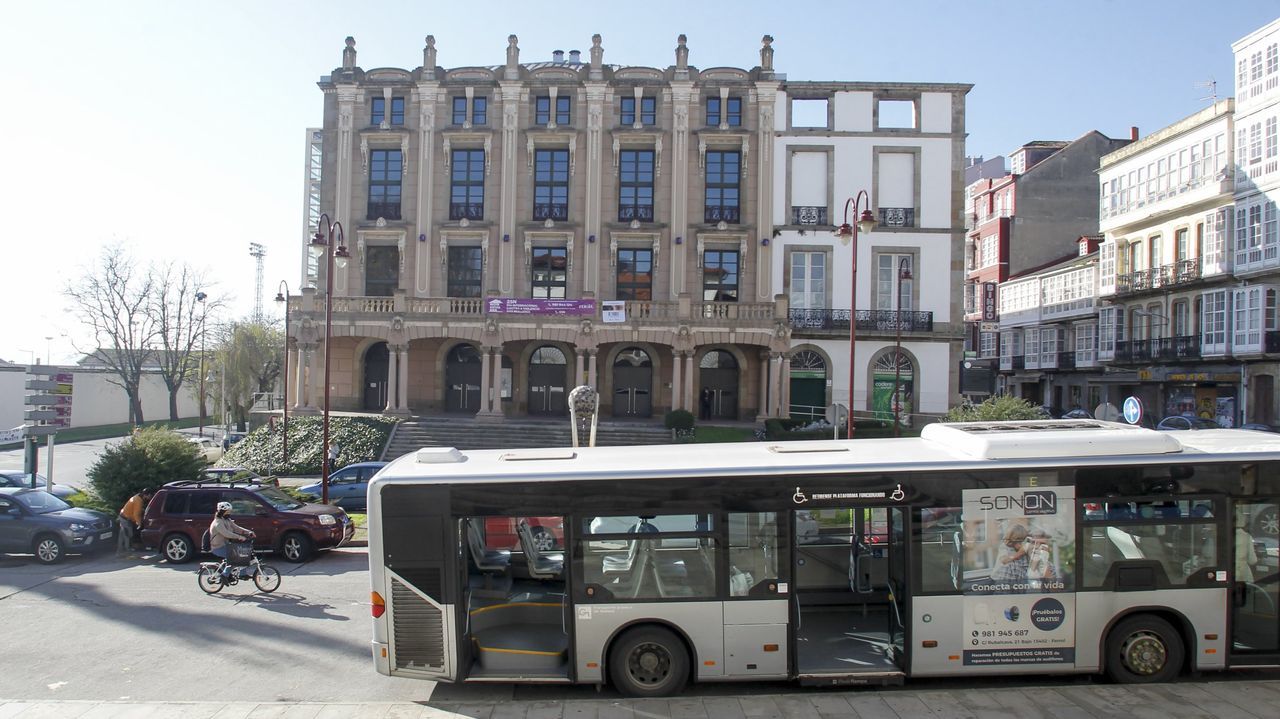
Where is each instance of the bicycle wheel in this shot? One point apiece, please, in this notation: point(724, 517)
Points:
point(267, 578)
point(209, 579)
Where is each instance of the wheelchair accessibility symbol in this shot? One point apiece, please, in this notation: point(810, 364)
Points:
point(799, 497)
point(898, 495)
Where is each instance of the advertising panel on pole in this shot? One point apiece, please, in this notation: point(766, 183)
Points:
point(536, 306)
point(1019, 572)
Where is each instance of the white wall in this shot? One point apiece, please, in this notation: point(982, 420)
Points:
point(96, 401)
point(935, 112)
point(853, 111)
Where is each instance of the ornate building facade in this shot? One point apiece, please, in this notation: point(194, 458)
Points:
point(520, 229)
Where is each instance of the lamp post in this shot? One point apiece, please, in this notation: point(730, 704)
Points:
point(904, 273)
point(848, 234)
point(324, 244)
point(282, 296)
point(204, 310)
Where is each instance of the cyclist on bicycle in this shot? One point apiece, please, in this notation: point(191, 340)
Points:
point(222, 530)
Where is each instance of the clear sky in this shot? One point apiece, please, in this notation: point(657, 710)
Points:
point(177, 128)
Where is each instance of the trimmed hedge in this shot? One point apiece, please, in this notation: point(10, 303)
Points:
point(681, 419)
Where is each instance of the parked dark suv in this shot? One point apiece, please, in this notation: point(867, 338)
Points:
point(180, 513)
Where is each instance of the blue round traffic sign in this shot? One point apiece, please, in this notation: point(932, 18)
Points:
point(1132, 410)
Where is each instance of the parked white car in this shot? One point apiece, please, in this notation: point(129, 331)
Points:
point(208, 448)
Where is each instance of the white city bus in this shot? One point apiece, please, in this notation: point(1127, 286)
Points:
point(977, 548)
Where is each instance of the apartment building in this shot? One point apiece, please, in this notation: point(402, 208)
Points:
point(1024, 220)
point(1165, 270)
point(519, 229)
point(903, 145)
point(1254, 325)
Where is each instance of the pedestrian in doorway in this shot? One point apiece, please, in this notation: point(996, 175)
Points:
point(130, 521)
point(704, 404)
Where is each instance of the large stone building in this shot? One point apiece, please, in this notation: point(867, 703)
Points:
point(520, 229)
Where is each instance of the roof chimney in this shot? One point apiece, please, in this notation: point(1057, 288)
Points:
point(1133, 133)
point(557, 56)
point(575, 57)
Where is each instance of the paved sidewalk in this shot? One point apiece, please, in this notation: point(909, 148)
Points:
point(1217, 699)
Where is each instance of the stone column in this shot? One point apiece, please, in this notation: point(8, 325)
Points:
point(301, 355)
point(688, 379)
point(403, 385)
point(579, 364)
point(784, 383)
point(677, 382)
point(591, 368)
point(486, 381)
point(764, 408)
point(393, 373)
point(775, 390)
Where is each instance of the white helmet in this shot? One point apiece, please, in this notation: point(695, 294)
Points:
point(224, 506)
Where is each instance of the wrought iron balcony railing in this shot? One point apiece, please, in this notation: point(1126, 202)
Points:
point(897, 217)
point(1161, 348)
point(1178, 273)
point(385, 210)
point(640, 213)
point(868, 320)
point(550, 211)
point(808, 215)
point(721, 213)
point(467, 210)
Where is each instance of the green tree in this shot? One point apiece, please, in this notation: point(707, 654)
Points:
point(248, 360)
point(152, 458)
point(1000, 407)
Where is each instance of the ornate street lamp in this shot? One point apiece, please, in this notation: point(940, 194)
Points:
point(282, 296)
point(335, 253)
point(848, 234)
point(904, 273)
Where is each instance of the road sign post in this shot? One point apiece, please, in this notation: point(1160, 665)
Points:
point(50, 404)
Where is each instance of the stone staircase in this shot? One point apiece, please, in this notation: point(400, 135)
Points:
point(465, 432)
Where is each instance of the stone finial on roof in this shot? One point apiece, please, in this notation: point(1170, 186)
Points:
point(597, 58)
point(766, 53)
point(513, 58)
point(429, 57)
point(349, 54)
point(682, 53)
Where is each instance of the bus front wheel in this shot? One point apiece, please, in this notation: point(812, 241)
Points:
point(1144, 649)
point(648, 662)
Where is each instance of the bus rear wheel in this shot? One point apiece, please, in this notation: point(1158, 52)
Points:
point(1142, 650)
point(648, 662)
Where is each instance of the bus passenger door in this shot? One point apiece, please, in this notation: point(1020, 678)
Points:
point(849, 575)
point(1255, 556)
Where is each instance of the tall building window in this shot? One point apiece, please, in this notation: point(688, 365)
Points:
point(635, 274)
point(722, 186)
point(635, 185)
point(459, 110)
point(1182, 240)
point(381, 270)
point(1213, 322)
point(385, 167)
point(720, 276)
point(550, 272)
point(479, 111)
point(465, 270)
point(728, 112)
point(542, 110)
point(887, 282)
point(809, 280)
point(379, 111)
point(466, 189)
point(648, 110)
point(551, 185)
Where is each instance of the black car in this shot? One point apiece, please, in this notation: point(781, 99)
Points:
point(32, 521)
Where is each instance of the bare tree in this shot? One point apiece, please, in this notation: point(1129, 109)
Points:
point(112, 299)
point(179, 317)
point(248, 360)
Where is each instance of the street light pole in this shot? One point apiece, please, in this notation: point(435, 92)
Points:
point(282, 296)
point(848, 234)
point(204, 310)
point(904, 273)
point(324, 243)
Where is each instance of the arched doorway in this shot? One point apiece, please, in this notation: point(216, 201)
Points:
point(889, 366)
point(718, 398)
point(808, 386)
point(547, 370)
point(377, 359)
point(462, 380)
point(632, 384)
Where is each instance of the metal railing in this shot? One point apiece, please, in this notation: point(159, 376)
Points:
point(870, 320)
point(808, 215)
point(721, 213)
point(1161, 348)
point(897, 217)
point(1171, 275)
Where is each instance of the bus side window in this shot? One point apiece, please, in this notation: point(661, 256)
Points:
point(940, 538)
point(753, 540)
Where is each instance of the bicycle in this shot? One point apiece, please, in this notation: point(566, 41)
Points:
point(210, 575)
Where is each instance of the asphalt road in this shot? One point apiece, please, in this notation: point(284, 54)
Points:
point(71, 461)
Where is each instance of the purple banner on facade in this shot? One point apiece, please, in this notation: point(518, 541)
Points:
point(531, 306)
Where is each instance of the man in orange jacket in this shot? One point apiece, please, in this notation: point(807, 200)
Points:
point(131, 520)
